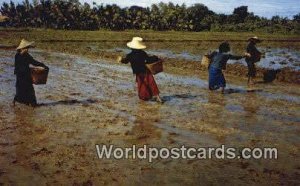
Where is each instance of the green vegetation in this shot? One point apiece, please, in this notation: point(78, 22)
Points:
point(192, 42)
point(72, 15)
point(105, 35)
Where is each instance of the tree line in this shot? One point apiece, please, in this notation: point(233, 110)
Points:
point(71, 14)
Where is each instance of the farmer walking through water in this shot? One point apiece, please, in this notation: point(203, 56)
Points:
point(138, 58)
point(24, 89)
point(218, 63)
point(253, 56)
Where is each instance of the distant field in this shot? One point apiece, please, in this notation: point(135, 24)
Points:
point(44, 35)
point(79, 42)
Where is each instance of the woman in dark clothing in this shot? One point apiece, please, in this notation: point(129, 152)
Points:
point(138, 58)
point(24, 89)
point(218, 63)
point(253, 56)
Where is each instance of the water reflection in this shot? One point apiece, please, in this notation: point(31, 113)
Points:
point(216, 98)
point(250, 104)
point(144, 129)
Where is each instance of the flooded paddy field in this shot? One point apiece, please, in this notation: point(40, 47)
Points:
point(280, 62)
point(89, 101)
point(273, 59)
point(182, 51)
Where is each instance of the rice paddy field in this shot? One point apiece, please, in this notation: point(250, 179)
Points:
point(91, 99)
point(183, 50)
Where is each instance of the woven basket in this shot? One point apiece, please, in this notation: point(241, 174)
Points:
point(39, 75)
point(155, 67)
point(205, 61)
point(257, 57)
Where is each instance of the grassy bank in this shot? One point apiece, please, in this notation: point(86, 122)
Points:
point(44, 35)
point(192, 42)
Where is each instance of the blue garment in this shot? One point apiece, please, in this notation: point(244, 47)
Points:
point(216, 78)
point(219, 59)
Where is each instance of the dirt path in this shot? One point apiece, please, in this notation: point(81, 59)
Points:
point(94, 102)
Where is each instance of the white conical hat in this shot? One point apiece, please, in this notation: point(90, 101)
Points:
point(24, 43)
point(254, 38)
point(136, 43)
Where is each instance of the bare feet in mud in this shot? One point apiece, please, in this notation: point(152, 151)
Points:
point(158, 99)
point(251, 82)
point(251, 87)
point(228, 91)
point(33, 105)
point(222, 90)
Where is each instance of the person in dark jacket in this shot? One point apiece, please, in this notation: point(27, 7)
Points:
point(147, 87)
point(218, 63)
point(253, 56)
point(24, 89)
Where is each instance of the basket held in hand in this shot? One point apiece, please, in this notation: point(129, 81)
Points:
point(39, 75)
point(257, 57)
point(155, 67)
point(205, 61)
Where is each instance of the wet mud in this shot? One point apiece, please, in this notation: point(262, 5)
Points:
point(88, 102)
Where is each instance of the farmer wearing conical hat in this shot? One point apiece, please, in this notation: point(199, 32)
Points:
point(24, 89)
point(253, 56)
point(138, 58)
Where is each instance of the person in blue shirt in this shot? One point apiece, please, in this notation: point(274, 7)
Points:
point(218, 63)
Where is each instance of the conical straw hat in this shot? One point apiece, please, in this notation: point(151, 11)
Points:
point(254, 38)
point(24, 44)
point(136, 43)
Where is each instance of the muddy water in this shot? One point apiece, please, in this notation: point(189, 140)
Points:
point(94, 102)
point(275, 58)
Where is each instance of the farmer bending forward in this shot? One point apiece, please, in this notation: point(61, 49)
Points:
point(218, 63)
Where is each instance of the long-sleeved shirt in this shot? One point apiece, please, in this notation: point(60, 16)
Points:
point(219, 60)
point(252, 50)
point(22, 62)
point(138, 60)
